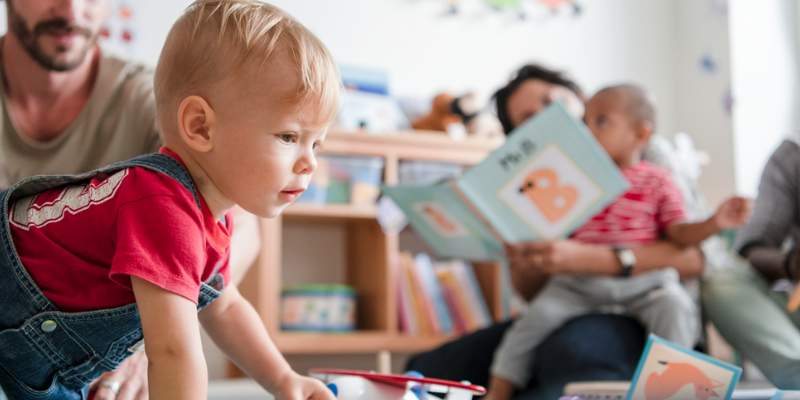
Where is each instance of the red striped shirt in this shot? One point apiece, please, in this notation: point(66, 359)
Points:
point(651, 204)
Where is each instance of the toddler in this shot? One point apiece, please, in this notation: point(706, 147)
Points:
point(622, 118)
point(97, 265)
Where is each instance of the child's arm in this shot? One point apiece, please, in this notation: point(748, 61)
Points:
point(733, 213)
point(499, 389)
point(177, 367)
point(237, 329)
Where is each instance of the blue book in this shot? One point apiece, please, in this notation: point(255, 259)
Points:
point(425, 268)
point(549, 177)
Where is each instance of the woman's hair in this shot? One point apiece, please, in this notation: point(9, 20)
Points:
point(529, 71)
point(215, 40)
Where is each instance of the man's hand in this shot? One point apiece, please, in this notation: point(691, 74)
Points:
point(132, 377)
point(292, 386)
point(733, 213)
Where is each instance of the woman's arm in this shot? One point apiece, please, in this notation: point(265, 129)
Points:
point(532, 263)
point(236, 328)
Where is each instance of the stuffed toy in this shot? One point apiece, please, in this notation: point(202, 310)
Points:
point(459, 116)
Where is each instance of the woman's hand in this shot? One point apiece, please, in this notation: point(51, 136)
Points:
point(566, 256)
point(131, 376)
point(293, 386)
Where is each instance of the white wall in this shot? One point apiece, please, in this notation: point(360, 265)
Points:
point(764, 77)
point(701, 31)
point(426, 51)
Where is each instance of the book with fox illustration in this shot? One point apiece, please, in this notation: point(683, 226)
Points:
point(548, 178)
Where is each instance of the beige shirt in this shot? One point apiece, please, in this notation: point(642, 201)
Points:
point(117, 123)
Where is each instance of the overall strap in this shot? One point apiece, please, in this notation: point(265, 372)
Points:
point(158, 162)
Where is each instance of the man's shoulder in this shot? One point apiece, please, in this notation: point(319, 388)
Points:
point(122, 66)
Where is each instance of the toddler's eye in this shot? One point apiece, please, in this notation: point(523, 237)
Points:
point(317, 147)
point(288, 137)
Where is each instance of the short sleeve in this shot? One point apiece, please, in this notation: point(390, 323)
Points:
point(671, 209)
point(160, 239)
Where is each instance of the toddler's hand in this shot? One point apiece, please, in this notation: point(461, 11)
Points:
point(733, 213)
point(296, 387)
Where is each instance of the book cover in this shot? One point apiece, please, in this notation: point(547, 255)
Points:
point(549, 177)
point(667, 371)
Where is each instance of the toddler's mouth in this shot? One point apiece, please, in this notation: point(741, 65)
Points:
point(292, 195)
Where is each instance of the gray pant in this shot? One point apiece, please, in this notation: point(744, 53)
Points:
point(754, 320)
point(657, 299)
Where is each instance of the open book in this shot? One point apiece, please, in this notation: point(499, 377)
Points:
point(549, 177)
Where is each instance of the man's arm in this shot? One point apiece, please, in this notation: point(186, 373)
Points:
point(236, 328)
point(177, 367)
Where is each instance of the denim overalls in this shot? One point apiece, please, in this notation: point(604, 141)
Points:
point(49, 354)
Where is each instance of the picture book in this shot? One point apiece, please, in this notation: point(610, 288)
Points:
point(667, 371)
point(548, 178)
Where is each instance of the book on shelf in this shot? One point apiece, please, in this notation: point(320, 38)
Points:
point(439, 298)
point(549, 177)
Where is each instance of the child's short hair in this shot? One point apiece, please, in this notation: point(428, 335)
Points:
point(640, 103)
point(216, 39)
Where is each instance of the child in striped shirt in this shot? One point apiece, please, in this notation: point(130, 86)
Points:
point(622, 118)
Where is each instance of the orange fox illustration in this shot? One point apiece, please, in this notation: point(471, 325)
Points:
point(542, 188)
point(676, 376)
point(440, 219)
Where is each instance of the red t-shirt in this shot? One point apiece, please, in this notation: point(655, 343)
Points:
point(81, 243)
point(651, 204)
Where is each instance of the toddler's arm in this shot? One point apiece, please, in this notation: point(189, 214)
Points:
point(733, 213)
point(177, 368)
point(237, 329)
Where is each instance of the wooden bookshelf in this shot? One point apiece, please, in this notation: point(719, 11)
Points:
point(369, 253)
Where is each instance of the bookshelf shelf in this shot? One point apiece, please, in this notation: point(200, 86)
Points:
point(305, 211)
point(369, 255)
point(359, 342)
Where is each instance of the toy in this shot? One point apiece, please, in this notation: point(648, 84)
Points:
point(459, 116)
point(361, 385)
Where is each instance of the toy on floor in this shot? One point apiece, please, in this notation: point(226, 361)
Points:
point(361, 385)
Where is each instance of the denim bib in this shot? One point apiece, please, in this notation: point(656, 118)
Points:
point(49, 354)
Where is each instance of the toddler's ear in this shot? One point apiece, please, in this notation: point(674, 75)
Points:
point(644, 131)
point(196, 120)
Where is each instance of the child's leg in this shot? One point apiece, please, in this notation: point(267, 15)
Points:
point(553, 307)
point(669, 312)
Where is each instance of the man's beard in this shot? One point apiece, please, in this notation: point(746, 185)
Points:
point(30, 40)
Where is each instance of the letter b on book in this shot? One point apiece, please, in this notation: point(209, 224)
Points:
point(543, 189)
point(550, 192)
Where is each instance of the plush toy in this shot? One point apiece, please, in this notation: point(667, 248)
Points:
point(459, 116)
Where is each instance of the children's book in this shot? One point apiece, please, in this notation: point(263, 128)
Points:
point(549, 177)
point(667, 371)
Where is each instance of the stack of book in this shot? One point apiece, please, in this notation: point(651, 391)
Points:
point(439, 298)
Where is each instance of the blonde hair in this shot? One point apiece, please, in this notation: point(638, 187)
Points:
point(215, 39)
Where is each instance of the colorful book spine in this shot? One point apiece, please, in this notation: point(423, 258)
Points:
point(407, 310)
point(435, 295)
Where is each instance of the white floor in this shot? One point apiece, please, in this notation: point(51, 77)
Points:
point(236, 389)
